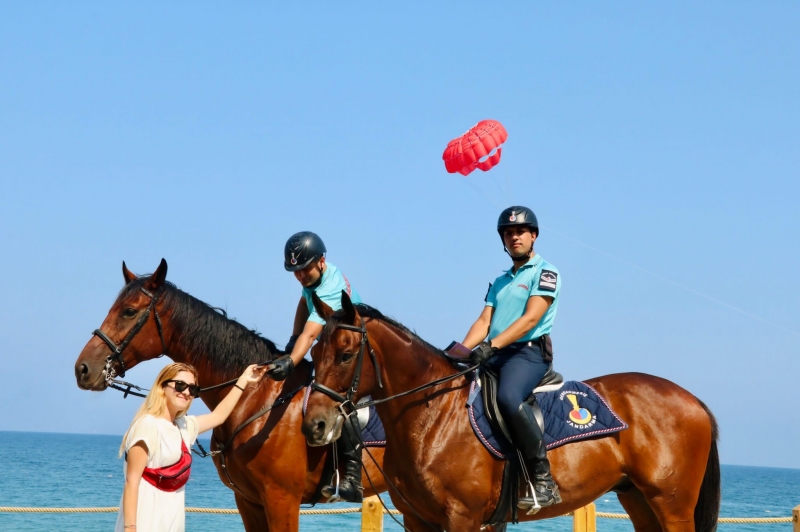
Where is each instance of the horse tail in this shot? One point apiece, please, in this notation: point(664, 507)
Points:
point(706, 511)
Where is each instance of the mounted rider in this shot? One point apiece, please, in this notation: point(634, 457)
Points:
point(511, 337)
point(304, 255)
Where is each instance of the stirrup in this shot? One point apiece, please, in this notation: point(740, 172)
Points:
point(331, 491)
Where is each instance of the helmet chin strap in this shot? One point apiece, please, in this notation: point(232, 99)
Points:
point(522, 258)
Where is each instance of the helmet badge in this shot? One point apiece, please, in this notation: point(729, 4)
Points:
point(513, 217)
point(294, 260)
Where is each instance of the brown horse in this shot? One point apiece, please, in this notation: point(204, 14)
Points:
point(269, 463)
point(664, 467)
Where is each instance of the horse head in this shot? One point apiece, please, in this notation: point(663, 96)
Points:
point(344, 371)
point(131, 333)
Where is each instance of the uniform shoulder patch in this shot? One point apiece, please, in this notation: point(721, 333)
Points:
point(548, 280)
point(486, 297)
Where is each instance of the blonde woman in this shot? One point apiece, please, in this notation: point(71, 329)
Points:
point(156, 448)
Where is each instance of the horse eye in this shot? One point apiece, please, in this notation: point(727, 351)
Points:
point(129, 313)
point(347, 356)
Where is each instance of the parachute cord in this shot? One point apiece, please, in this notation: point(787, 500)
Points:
point(483, 194)
point(644, 270)
point(673, 283)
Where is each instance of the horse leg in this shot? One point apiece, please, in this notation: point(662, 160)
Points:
point(642, 516)
point(283, 510)
point(253, 516)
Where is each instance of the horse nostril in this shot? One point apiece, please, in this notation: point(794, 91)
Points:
point(84, 369)
point(320, 427)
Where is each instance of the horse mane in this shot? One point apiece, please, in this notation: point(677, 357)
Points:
point(211, 338)
point(367, 311)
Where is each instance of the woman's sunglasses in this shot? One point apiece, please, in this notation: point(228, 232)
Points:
point(180, 387)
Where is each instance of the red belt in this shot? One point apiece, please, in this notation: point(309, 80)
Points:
point(174, 477)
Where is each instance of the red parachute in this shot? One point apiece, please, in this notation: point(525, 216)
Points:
point(480, 147)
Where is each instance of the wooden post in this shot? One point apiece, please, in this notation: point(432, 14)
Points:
point(796, 519)
point(371, 515)
point(584, 519)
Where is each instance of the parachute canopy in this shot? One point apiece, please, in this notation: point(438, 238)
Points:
point(480, 147)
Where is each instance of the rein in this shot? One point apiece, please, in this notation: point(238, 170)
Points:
point(347, 405)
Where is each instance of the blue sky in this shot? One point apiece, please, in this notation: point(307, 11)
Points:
point(658, 144)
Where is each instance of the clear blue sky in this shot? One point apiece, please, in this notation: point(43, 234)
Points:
point(658, 144)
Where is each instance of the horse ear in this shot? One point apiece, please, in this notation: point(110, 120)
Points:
point(348, 308)
point(322, 309)
point(159, 276)
point(127, 274)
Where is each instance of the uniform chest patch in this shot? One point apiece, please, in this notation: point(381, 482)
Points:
point(548, 280)
point(523, 286)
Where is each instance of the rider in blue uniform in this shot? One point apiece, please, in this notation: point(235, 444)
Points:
point(511, 337)
point(304, 255)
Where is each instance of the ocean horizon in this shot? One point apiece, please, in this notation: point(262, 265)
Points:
point(47, 470)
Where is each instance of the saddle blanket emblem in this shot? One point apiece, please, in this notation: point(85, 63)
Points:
point(372, 432)
point(573, 412)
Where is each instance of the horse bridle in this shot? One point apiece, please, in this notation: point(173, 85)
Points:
point(116, 350)
point(347, 406)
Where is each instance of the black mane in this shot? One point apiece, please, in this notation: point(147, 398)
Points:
point(213, 340)
point(367, 311)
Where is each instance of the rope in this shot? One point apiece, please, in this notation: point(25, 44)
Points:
point(738, 520)
point(115, 509)
point(335, 511)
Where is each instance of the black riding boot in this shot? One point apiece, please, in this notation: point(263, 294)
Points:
point(349, 451)
point(528, 438)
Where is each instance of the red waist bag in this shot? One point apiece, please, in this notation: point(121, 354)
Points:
point(174, 477)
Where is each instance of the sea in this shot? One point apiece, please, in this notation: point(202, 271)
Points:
point(74, 470)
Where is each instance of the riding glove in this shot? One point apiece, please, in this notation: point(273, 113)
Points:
point(482, 352)
point(290, 344)
point(281, 368)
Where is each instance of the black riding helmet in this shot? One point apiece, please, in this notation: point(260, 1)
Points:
point(517, 215)
point(302, 249)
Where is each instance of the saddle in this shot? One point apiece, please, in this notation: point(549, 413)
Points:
point(552, 380)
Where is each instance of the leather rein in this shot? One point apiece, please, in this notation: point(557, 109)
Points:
point(347, 405)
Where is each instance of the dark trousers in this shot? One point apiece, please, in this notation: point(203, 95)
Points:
point(520, 369)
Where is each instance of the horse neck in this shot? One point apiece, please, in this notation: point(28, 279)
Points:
point(205, 348)
point(407, 364)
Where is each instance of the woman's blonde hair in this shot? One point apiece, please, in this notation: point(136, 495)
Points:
point(156, 403)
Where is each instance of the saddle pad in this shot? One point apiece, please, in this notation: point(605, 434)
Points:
point(372, 431)
point(573, 412)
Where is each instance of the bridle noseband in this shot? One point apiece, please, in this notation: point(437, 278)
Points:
point(116, 350)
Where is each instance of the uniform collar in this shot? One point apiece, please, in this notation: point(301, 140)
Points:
point(534, 261)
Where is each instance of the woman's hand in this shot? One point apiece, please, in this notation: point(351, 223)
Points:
point(252, 375)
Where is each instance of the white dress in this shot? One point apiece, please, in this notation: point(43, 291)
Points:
point(159, 511)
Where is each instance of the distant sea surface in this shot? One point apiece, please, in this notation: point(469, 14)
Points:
point(72, 470)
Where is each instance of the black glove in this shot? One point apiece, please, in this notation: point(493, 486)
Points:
point(281, 368)
point(482, 352)
point(290, 344)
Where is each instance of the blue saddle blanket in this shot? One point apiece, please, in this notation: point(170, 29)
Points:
point(573, 412)
point(372, 431)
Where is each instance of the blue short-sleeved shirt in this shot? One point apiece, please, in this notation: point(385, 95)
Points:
point(510, 292)
point(329, 290)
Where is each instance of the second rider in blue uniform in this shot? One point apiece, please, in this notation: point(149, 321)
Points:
point(510, 338)
point(304, 255)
